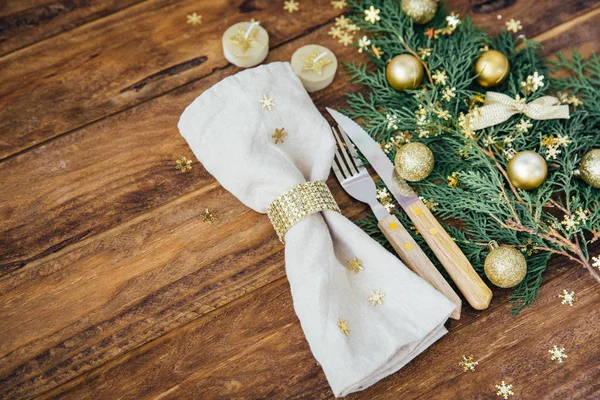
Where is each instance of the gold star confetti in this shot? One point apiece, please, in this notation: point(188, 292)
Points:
point(513, 26)
point(290, 6)
point(567, 298)
point(355, 265)
point(453, 179)
point(183, 164)
point(558, 354)
point(315, 62)
point(504, 390)
point(363, 43)
point(267, 102)
point(342, 22)
point(194, 19)
point(377, 52)
point(339, 4)
point(335, 32)
point(343, 325)
point(208, 217)
point(376, 297)
point(424, 52)
point(245, 38)
point(372, 15)
point(596, 262)
point(468, 364)
point(439, 77)
point(346, 39)
point(279, 135)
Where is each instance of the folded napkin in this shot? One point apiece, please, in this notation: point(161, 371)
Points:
point(364, 314)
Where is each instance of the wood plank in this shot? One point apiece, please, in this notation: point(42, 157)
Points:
point(25, 22)
point(255, 348)
point(119, 61)
point(129, 57)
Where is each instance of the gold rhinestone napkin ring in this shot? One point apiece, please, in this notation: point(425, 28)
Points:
point(298, 202)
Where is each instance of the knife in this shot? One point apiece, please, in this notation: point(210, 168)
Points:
point(446, 250)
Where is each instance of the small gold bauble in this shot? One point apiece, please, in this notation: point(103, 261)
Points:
point(527, 169)
point(414, 161)
point(505, 266)
point(420, 11)
point(589, 169)
point(404, 72)
point(492, 68)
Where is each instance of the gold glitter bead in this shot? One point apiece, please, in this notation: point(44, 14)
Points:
point(589, 169)
point(414, 161)
point(404, 72)
point(527, 169)
point(505, 266)
point(420, 11)
point(492, 68)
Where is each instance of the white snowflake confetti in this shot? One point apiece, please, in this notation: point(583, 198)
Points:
point(558, 354)
point(363, 43)
point(596, 262)
point(376, 297)
point(567, 297)
point(468, 364)
point(504, 390)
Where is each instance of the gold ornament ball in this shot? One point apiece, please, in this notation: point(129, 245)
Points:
point(414, 161)
point(527, 170)
point(492, 68)
point(589, 169)
point(420, 11)
point(404, 72)
point(505, 266)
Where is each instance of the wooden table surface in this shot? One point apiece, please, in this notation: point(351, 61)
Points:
point(112, 286)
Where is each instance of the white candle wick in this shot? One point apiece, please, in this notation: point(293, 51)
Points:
point(252, 25)
point(323, 54)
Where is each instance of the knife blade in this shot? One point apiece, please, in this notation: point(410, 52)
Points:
point(446, 250)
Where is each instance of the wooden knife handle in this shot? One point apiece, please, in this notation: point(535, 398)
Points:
point(414, 257)
point(451, 257)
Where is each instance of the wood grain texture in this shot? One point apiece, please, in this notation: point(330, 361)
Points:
point(112, 286)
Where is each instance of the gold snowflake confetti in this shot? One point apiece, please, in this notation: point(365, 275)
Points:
point(363, 43)
point(208, 217)
point(430, 203)
point(279, 135)
point(596, 262)
point(524, 125)
point(443, 114)
point(504, 390)
point(183, 164)
point(343, 325)
point(335, 32)
point(485, 48)
point(439, 77)
point(339, 4)
point(346, 39)
point(316, 61)
point(532, 83)
point(382, 194)
point(372, 15)
point(453, 179)
point(567, 297)
point(558, 354)
point(566, 99)
point(352, 28)
point(513, 26)
point(449, 93)
point(290, 6)
point(377, 52)
point(551, 153)
point(194, 19)
point(569, 222)
point(424, 52)
point(245, 38)
point(453, 20)
point(267, 102)
point(468, 364)
point(355, 265)
point(376, 297)
point(342, 22)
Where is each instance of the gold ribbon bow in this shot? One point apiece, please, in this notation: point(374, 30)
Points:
point(499, 107)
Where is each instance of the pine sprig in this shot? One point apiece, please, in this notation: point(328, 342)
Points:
point(469, 182)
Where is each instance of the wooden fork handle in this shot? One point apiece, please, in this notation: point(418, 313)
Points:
point(414, 257)
point(451, 257)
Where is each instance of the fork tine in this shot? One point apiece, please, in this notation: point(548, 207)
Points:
point(355, 158)
point(341, 145)
point(339, 163)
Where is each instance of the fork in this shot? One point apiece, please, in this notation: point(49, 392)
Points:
point(356, 181)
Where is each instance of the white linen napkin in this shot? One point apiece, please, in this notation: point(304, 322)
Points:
point(230, 132)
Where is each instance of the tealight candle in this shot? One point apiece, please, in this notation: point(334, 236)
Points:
point(315, 66)
point(246, 44)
